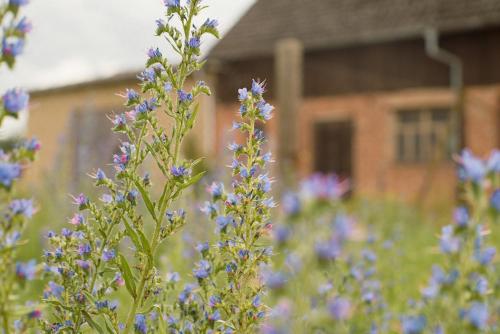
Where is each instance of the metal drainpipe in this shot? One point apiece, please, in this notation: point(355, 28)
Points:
point(434, 51)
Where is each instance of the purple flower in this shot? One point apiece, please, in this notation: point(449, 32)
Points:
point(477, 315)
point(85, 265)
point(257, 88)
point(179, 171)
point(194, 42)
point(24, 26)
point(184, 97)
point(291, 203)
point(172, 3)
point(141, 324)
point(35, 314)
point(413, 324)
point(448, 242)
point(242, 94)
point(202, 270)
point(26, 270)
point(216, 189)
point(202, 247)
point(485, 256)
point(12, 46)
point(471, 168)
point(495, 200)
point(84, 249)
point(15, 100)
point(222, 222)
point(329, 250)
point(18, 3)
point(339, 308)
point(82, 201)
point(274, 280)
point(461, 216)
point(154, 53)
point(210, 23)
point(55, 290)
point(22, 207)
point(8, 173)
point(265, 110)
point(32, 145)
point(108, 255)
point(493, 163)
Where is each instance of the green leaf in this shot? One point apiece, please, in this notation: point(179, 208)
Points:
point(131, 233)
point(89, 296)
point(127, 276)
point(56, 303)
point(91, 322)
point(145, 245)
point(109, 326)
point(192, 180)
point(145, 198)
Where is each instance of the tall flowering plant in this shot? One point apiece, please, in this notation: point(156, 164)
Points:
point(227, 295)
point(14, 275)
point(464, 292)
point(112, 245)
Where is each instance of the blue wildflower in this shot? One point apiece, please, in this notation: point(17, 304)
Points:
point(108, 255)
point(172, 3)
point(154, 53)
point(24, 26)
point(22, 207)
point(485, 256)
point(413, 324)
point(461, 216)
point(202, 269)
point(477, 315)
point(257, 88)
point(8, 173)
point(15, 100)
point(471, 168)
point(141, 324)
point(184, 97)
point(495, 200)
point(339, 308)
point(209, 23)
point(18, 3)
point(12, 46)
point(194, 42)
point(448, 242)
point(26, 270)
point(242, 94)
point(222, 222)
point(265, 110)
point(180, 171)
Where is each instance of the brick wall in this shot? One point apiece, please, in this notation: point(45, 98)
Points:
point(375, 169)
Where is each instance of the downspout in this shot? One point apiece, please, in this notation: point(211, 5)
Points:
point(434, 51)
point(454, 62)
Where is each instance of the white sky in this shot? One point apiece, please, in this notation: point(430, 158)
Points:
point(78, 40)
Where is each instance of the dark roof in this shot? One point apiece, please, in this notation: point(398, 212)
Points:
point(118, 79)
point(339, 23)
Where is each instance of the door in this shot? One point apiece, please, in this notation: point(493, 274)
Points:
point(333, 148)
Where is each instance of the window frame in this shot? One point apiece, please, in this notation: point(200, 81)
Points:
point(423, 130)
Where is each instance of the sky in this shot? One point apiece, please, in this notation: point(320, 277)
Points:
point(79, 40)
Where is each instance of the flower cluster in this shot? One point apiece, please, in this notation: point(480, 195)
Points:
point(467, 286)
point(15, 275)
point(227, 296)
point(112, 243)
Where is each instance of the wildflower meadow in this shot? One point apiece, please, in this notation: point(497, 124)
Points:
point(143, 252)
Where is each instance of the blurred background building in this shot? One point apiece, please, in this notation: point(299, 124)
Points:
point(382, 92)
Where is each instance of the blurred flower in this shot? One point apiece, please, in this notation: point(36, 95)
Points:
point(15, 100)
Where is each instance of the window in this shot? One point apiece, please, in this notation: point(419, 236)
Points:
point(423, 135)
point(93, 143)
